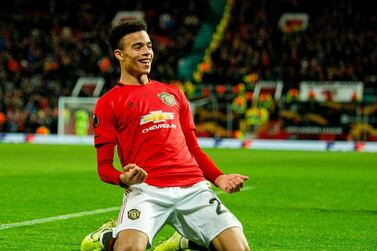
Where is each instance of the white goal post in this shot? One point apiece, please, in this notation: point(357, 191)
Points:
point(70, 109)
point(75, 115)
point(92, 85)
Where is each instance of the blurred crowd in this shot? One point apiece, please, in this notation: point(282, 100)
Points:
point(338, 44)
point(45, 48)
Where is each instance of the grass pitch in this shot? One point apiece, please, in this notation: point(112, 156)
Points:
point(293, 201)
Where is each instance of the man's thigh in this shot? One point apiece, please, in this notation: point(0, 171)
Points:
point(142, 212)
point(201, 216)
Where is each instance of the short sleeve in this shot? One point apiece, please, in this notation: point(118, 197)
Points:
point(104, 123)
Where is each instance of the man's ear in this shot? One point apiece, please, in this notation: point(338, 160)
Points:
point(118, 54)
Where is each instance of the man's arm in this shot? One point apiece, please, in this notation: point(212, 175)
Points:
point(227, 182)
point(132, 174)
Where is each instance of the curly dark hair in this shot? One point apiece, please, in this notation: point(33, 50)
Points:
point(122, 29)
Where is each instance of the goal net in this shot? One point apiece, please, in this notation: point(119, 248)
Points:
point(76, 116)
point(76, 112)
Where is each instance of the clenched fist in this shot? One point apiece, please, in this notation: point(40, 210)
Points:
point(133, 174)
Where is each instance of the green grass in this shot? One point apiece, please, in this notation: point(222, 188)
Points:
point(297, 200)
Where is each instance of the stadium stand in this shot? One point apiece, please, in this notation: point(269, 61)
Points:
point(339, 43)
point(44, 49)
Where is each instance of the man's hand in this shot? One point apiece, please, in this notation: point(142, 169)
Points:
point(133, 174)
point(231, 183)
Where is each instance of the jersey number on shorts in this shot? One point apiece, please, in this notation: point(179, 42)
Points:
point(218, 208)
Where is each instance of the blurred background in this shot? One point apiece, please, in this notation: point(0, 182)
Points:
point(251, 69)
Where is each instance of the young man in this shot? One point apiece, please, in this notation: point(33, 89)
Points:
point(164, 169)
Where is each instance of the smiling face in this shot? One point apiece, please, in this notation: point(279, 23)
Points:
point(136, 54)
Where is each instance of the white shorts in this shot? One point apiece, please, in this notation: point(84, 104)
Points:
point(195, 212)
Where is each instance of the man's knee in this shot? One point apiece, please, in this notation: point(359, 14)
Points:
point(128, 247)
point(131, 240)
point(229, 240)
point(236, 245)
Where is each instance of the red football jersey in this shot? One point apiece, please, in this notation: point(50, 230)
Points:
point(147, 122)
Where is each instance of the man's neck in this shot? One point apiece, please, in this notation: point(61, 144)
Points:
point(131, 80)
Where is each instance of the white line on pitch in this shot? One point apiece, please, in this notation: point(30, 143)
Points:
point(56, 218)
point(70, 216)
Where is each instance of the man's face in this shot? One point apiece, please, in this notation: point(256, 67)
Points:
point(137, 53)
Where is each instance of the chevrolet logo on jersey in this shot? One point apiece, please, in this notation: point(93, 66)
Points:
point(156, 117)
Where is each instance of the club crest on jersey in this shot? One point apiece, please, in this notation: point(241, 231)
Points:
point(156, 117)
point(133, 214)
point(167, 98)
